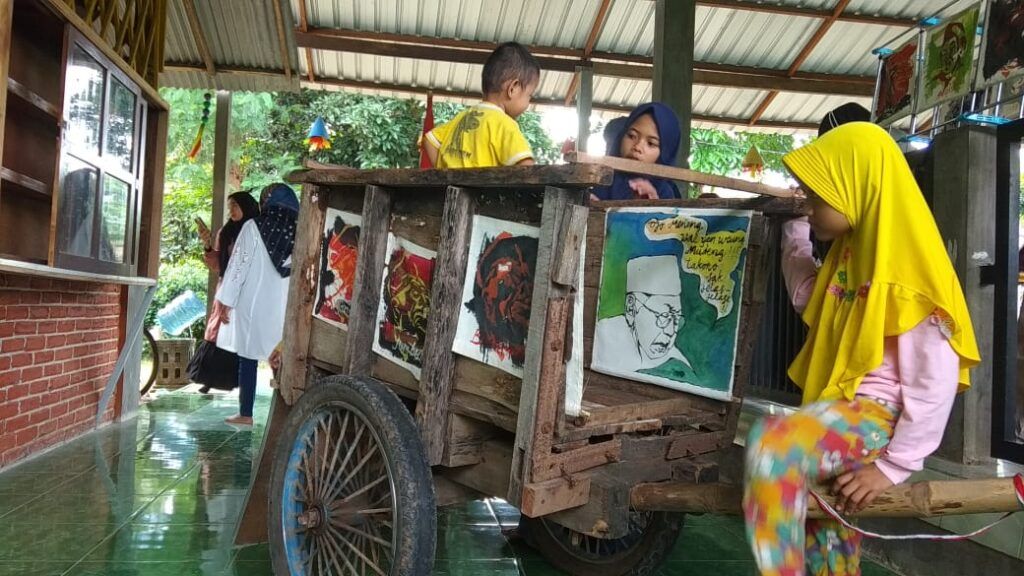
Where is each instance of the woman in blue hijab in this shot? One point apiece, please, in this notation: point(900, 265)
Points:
point(650, 134)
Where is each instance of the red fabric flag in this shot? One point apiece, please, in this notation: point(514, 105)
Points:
point(428, 125)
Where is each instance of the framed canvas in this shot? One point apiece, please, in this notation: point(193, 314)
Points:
point(339, 250)
point(404, 304)
point(669, 298)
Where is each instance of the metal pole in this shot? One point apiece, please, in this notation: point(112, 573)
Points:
point(878, 88)
point(132, 332)
point(917, 78)
point(584, 106)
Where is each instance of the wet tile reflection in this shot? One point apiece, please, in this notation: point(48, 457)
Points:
point(162, 495)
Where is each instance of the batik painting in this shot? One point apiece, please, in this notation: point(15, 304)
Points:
point(339, 248)
point(404, 304)
point(669, 298)
point(948, 57)
point(497, 294)
point(896, 84)
point(1003, 49)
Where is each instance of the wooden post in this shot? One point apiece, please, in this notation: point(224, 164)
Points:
point(557, 204)
point(221, 169)
point(437, 380)
point(373, 242)
point(6, 19)
point(964, 205)
point(917, 500)
point(301, 293)
point(674, 27)
point(252, 527)
point(152, 193)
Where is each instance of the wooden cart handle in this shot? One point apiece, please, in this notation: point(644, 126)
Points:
point(681, 174)
point(917, 500)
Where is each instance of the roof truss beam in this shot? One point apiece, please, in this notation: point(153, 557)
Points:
point(823, 28)
point(789, 10)
point(566, 60)
point(386, 87)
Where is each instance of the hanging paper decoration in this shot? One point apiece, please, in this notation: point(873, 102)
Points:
point(317, 138)
point(198, 142)
point(428, 125)
point(753, 163)
point(568, 146)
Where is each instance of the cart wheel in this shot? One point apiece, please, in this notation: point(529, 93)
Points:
point(352, 492)
point(639, 553)
point(146, 381)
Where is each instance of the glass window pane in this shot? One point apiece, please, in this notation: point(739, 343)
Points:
point(77, 207)
point(115, 219)
point(84, 101)
point(121, 124)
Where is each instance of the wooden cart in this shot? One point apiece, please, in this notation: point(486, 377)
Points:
point(359, 453)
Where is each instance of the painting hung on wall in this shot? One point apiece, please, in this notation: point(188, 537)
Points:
point(497, 294)
point(896, 85)
point(669, 299)
point(339, 248)
point(948, 57)
point(1003, 50)
point(404, 304)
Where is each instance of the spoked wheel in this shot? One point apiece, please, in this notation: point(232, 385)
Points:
point(639, 553)
point(352, 491)
point(150, 358)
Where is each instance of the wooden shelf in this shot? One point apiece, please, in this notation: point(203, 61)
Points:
point(16, 258)
point(24, 181)
point(30, 97)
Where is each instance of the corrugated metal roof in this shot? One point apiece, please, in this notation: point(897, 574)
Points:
point(243, 35)
point(240, 34)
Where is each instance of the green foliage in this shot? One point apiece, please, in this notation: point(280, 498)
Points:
point(720, 152)
point(268, 131)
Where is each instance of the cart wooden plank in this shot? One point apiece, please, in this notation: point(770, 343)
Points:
point(437, 378)
point(373, 240)
point(569, 175)
point(301, 293)
point(681, 174)
point(557, 202)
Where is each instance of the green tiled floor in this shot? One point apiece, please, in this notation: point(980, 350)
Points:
point(160, 495)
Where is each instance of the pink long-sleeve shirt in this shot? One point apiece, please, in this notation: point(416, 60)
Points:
point(918, 373)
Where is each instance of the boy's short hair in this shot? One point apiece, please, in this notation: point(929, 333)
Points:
point(509, 61)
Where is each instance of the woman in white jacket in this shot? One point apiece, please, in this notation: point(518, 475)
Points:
point(255, 289)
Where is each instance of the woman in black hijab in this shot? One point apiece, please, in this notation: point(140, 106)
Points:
point(849, 112)
point(242, 207)
point(216, 368)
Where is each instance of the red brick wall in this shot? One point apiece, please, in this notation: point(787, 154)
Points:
point(58, 345)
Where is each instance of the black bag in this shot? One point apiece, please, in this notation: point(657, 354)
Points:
point(214, 367)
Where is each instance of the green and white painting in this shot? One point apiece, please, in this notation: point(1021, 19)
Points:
point(669, 308)
point(948, 58)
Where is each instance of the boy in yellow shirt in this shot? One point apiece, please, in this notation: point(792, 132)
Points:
point(486, 134)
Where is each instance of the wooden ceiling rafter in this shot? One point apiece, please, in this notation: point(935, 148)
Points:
point(588, 47)
point(282, 41)
point(304, 27)
point(566, 60)
point(805, 52)
point(198, 36)
point(789, 10)
point(442, 92)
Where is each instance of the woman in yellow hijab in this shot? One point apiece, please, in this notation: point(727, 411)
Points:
point(890, 342)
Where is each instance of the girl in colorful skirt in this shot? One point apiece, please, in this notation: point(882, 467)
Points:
point(889, 344)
